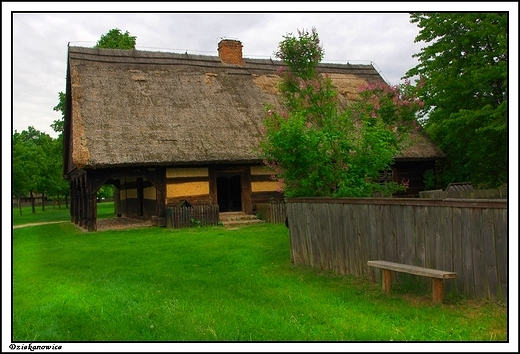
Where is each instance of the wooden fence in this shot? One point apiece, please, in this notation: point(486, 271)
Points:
point(500, 193)
point(272, 212)
point(192, 216)
point(469, 237)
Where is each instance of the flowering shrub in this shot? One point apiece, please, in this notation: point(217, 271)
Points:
point(316, 150)
point(393, 104)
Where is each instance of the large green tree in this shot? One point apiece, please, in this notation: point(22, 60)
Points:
point(317, 149)
point(115, 39)
point(462, 79)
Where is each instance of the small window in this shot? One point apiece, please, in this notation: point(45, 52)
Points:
point(386, 176)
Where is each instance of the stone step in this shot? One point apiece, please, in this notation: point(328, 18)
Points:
point(236, 217)
point(238, 223)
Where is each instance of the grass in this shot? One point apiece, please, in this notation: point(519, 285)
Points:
point(212, 284)
point(53, 214)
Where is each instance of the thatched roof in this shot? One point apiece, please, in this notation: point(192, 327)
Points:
point(419, 146)
point(131, 107)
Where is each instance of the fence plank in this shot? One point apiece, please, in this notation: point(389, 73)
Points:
point(356, 245)
point(350, 240)
point(407, 235)
point(458, 246)
point(342, 212)
point(479, 265)
point(501, 244)
point(446, 229)
point(373, 252)
point(365, 244)
point(489, 254)
point(420, 232)
point(437, 236)
point(467, 254)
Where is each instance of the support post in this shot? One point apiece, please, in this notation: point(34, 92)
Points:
point(437, 290)
point(73, 201)
point(83, 201)
point(387, 280)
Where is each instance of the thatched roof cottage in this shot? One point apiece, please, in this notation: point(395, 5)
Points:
point(166, 127)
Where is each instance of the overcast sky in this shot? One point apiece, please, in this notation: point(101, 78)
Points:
point(39, 41)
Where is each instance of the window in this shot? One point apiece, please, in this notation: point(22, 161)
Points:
point(386, 176)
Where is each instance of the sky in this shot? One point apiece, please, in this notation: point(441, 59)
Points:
point(35, 37)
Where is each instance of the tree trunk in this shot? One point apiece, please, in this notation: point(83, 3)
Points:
point(32, 203)
point(20, 204)
point(43, 201)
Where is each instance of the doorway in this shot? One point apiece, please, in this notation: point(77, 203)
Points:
point(229, 192)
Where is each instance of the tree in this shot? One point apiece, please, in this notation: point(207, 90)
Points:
point(28, 158)
point(463, 76)
point(106, 192)
point(317, 150)
point(115, 39)
point(60, 185)
point(59, 125)
point(37, 165)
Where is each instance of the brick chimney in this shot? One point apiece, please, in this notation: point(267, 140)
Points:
point(230, 51)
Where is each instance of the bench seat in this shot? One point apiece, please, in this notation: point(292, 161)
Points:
point(436, 275)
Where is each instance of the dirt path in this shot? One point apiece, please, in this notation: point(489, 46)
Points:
point(104, 224)
point(37, 223)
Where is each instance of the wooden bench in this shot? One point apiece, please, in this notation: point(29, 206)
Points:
point(437, 276)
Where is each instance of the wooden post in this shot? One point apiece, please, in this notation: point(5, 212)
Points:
point(437, 290)
point(245, 180)
point(71, 193)
point(83, 201)
point(74, 201)
point(91, 212)
point(387, 280)
point(158, 180)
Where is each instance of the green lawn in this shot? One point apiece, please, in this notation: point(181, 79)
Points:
point(212, 284)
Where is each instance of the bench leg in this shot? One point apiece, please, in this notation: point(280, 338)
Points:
point(437, 290)
point(387, 280)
